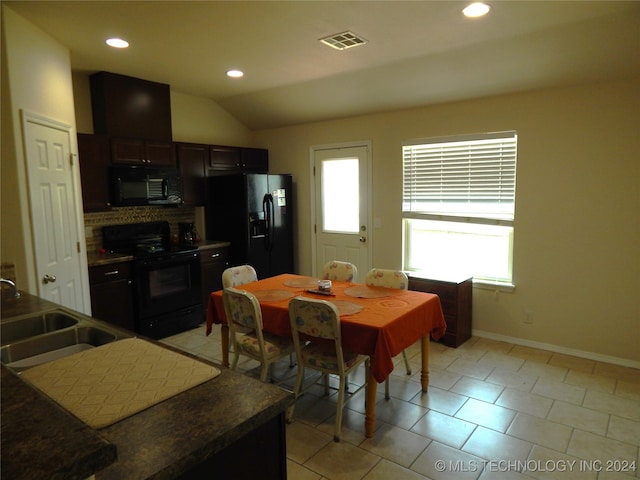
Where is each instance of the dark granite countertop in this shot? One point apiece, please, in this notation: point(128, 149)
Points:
point(42, 440)
point(205, 244)
point(95, 258)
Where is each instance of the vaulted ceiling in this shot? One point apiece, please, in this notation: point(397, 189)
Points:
point(417, 52)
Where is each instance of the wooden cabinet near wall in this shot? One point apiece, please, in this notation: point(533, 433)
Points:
point(254, 160)
point(112, 294)
point(94, 157)
point(132, 151)
point(213, 261)
point(224, 160)
point(455, 298)
point(125, 106)
point(193, 159)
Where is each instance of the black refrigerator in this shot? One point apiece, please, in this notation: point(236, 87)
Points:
point(254, 212)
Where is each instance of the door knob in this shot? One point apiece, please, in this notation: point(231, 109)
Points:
point(363, 239)
point(48, 279)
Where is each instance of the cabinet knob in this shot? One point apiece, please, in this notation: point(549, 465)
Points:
point(215, 255)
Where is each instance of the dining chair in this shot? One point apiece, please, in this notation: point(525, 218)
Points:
point(237, 276)
point(381, 277)
point(234, 277)
point(243, 310)
point(339, 271)
point(320, 349)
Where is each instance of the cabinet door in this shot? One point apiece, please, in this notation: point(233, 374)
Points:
point(160, 153)
point(193, 160)
point(118, 111)
point(127, 151)
point(224, 159)
point(254, 160)
point(133, 151)
point(94, 157)
point(112, 294)
point(213, 262)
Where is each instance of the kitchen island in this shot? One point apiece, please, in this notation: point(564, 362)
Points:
point(211, 430)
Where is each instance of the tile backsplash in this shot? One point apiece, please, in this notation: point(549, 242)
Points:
point(93, 222)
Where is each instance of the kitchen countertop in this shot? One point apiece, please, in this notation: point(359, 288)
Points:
point(97, 258)
point(42, 440)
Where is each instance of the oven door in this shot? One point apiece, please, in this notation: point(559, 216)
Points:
point(167, 283)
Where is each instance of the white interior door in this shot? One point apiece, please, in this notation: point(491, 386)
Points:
point(342, 215)
point(54, 201)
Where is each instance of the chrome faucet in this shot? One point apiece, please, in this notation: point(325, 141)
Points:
point(16, 293)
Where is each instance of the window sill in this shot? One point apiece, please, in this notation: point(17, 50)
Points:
point(494, 286)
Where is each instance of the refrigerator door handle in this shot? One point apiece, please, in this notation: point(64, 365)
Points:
point(267, 208)
point(272, 226)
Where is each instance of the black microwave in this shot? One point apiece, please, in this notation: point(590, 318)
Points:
point(133, 185)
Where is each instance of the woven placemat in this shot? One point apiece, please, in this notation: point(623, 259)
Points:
point(346, 307)
point(106, 384)
point(273, 295)
point(306, 282)
point(364, 291)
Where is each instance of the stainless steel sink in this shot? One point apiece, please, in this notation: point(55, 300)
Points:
point(19, 329)
point(44, 348)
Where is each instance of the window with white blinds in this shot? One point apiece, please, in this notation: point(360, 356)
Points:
point(472, 177)
point(458, 206)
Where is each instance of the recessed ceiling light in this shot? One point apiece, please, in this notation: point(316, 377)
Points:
point(117, 43)
point(477, 9)
point(235, 73)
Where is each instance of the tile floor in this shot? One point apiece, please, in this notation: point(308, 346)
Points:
point(494, 410)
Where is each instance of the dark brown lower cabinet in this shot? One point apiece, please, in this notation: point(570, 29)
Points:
point(455, 298)
point(112, 295)
point(213, 262)
point(261, 453)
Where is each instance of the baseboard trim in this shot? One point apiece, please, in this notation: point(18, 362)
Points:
point(558, 349)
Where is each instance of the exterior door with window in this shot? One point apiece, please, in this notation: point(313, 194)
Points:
point(54, 203)
point(341, 201)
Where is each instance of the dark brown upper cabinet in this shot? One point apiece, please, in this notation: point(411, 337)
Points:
point(132, 151)
point(193, 159)
point(94, 159)
point(130, 107)
point(224, 160)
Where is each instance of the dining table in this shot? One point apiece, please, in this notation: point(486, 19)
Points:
point(375, 321)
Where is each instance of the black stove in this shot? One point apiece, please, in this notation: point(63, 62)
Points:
point(166, 279)
point(141, 239)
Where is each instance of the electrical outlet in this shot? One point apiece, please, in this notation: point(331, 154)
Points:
point(528, 317)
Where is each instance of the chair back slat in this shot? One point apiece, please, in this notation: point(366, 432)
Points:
point(339, 271)
point(315, 318)
point(243, 308)
point(380, 277)
point(235, 276)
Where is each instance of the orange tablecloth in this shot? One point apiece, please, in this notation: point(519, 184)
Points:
point(382, 329)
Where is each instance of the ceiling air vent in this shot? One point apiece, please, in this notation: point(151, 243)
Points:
point(344, 40)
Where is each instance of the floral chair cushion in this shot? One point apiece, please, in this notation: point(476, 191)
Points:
point(380, 277)
point(339, 271)
point(324, 356)
point(234, 276)
point(274, 346)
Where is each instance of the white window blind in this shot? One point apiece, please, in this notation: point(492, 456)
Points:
point(472, 177)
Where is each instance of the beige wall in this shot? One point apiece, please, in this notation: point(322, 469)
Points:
point(577, 227)
point(36, 77)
